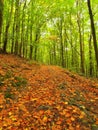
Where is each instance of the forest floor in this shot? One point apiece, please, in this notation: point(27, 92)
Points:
point(41, 97)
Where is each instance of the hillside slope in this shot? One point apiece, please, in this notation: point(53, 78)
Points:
point(40, 97)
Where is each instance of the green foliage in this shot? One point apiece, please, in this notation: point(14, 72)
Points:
point(5, 77)
point(1, 80)
point(19, 82)
point(8, 74)
point(94, 127)
point(8, 94)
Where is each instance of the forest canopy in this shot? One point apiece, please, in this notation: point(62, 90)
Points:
point(57, 32)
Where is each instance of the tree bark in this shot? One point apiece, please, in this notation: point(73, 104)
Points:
point(7, 28)
point(17, 28)
point(80, 40)
point(93, 31)
point(1, 17)
point(61, 41)
point(90, 57)
point(1, 14)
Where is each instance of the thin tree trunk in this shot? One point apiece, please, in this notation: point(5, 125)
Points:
point(22, 43)
point(36, 43)
point(93, 31)
point(61, 42)
point(7, 29)
point(27, 38)
point(80, 40)
point(17, 28)
point(1, 18)
point(54, 52)
point(31, 44)
point(90, 57)
point(1, 14)
point(13, 37)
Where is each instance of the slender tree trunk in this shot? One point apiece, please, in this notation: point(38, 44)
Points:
point(1, 18)
point(71, 43)
point(54, 52)
point(7, 29)
point(37, 37)
point(17, 28)
point(61, 42)
point(31, 51)
point(81, 50)
point(93, 31)
point(31, 44)
point(90, 57)
point(27, 38)
point(13, 37)
point(1, 14)
point(6, 38)
point(66, 46)
point(80, 40)
point(22, 43)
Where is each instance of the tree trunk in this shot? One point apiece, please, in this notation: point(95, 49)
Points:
point(93, 31)
point(61, 41)
point(1, 14)
point(90, 57)
point(37, 37)
point(22, 43)
point(31, 42)
point(6, 38)
point(80, 40)
point(7, 29)
point(17, 28)
point(1, 17)
point(27, 38)
point(13, 37)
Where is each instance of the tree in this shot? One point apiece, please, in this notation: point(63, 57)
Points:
point(80, 38)
point(90, 56)
point(17, 27)
point(7, 28)
point(1, 17)
point(93, 31)
point(22, 43)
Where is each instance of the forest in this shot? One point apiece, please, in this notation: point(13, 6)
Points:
point(54, 32)
point(48, 65)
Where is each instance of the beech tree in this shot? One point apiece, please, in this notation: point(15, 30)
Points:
point(93, 31)
point(79, 19)
point(8, 22)
point(1, 17)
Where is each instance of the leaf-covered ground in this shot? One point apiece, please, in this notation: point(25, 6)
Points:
point(40, 97)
